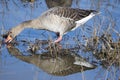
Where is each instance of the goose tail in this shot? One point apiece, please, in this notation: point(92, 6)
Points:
point(85, 64)
point(84, 20)
point(94, 12)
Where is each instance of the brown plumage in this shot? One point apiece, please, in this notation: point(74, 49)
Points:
point(71, 13)
point(58, 19)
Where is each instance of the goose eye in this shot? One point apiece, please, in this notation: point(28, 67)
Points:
point(5, 36)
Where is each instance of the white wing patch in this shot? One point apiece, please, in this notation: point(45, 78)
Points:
point(82, 21)
point(86, 64)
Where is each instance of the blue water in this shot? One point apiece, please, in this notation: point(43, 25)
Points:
point(13, 14)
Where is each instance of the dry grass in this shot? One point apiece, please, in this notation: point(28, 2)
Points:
point(104, 50)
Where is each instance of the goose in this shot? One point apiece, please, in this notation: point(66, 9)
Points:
point(57, 19)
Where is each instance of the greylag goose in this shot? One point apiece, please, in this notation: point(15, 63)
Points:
point(58, 19)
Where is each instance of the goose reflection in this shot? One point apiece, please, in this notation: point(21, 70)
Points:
point(61, 63)
point(62, 3)
point(51, 3)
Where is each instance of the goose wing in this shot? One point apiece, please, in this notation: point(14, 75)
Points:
point(70, 13)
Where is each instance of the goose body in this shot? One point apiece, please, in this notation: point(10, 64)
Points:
point(58, 19)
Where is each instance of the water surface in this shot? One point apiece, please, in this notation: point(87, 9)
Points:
point(13, 12)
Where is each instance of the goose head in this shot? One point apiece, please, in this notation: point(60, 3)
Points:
point(8, 37)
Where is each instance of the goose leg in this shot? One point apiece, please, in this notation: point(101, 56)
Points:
point(58, 39)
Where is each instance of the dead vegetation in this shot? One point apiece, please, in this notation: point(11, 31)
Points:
point(104, 49)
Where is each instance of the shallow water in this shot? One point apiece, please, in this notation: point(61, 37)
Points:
point(14, 12)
